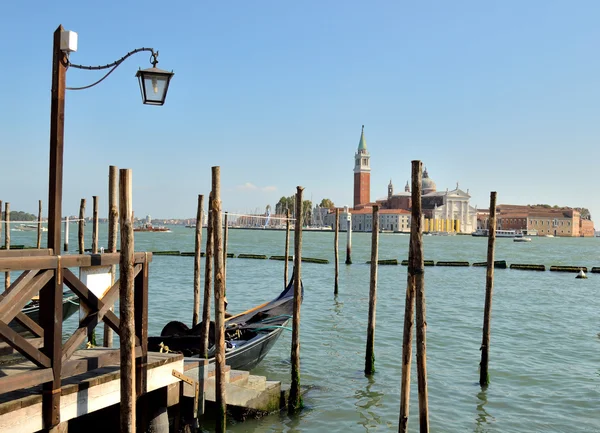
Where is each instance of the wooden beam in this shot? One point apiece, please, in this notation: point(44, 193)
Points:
point(20, 344)
point(6, 349)
point(74, 367)
point(30, 324)
point(30, 260)
point(25, 380)
point(26, 253)
point(10, 306)
point(141, 328)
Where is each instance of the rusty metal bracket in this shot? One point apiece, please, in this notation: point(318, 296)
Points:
point(193, 383)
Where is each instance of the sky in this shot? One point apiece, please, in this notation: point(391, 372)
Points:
point(498, 96)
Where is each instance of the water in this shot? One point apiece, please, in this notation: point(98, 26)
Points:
point(544, 358)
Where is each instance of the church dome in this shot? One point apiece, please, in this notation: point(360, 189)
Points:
point(427, 184)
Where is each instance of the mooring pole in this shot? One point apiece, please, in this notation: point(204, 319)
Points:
point(416, 244)
point(370, 354)
point(225, 234)
point(484, 378)
point(204, 329)
point(336, 252)
point(295, 399)
point(39, 231)
point(349, 238)
point(113, 221)
point(197, 261)
point(95, 224)
point(66, 243)
point(219, 304)
point(126, 304)
point(1, 220)
point(287, 247)
point(6, 240)
point(81, 227)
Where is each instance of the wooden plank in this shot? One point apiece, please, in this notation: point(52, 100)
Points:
point(25, 379)
point(74, 367)
point(19, 283)
point(11, 305)
point(141, 327)
point(25, 253)
point(30, 324)
point(20, 343)
point(6, 349)
point(26, 261)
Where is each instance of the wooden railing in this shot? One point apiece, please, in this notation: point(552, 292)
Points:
point(44, 273)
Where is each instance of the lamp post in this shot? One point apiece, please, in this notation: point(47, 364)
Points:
point(154, 84)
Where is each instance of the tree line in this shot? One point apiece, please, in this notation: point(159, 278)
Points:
point(285, 203)
point(16, 215)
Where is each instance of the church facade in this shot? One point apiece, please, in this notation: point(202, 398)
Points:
point(443, 211)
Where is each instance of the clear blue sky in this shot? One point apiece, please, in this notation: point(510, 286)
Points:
point(500, 96)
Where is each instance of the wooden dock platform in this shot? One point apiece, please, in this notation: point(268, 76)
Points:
point(21, 410)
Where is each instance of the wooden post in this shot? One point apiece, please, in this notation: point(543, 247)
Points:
point(219, 304)
point(484, 378)
point(225, 234)
point(51, 294)
point(416, 244)
point(66, 245)
point(81, 226)
point(208, 271)
point(6, 240)
point(1, 220)
point(287, 247)
point(113, 221)
point(197, 260)
point(126, 304)
point(370, 353)
point(95, 225)
point(336, 251)
point(39, 231)
point(295, 399)
point(349, 238)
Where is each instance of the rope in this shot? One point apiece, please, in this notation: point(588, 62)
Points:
point(264, 328)
point(39, 222)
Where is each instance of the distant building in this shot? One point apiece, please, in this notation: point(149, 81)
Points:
point(564, 222)
point(443, 211)
point(362, 173)
point(395, 220)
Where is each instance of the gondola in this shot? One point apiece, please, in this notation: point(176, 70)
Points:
point(70, 305)
point(248, 336)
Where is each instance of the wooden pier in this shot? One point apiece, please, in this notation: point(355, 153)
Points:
point(99, 388)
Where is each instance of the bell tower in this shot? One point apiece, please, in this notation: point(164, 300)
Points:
point(362, 172)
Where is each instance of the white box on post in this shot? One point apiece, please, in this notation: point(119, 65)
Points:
point(68, 41)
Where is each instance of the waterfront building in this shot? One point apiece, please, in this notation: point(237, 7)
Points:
point(393, 220)
point(447, 211)
point(564, 222)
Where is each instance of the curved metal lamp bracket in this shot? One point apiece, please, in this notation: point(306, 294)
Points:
point(113, 66)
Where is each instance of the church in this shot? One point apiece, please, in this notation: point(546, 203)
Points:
point(443, 211)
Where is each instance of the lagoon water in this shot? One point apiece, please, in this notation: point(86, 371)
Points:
point(545, 345)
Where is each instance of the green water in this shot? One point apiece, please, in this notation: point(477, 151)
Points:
point(544, 357)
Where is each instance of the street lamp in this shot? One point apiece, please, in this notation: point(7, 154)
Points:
point(154, 84)
point(153, 79)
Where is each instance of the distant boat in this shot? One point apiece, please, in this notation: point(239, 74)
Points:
point(148, 227)
point(30, 228)
point(191, 226)
point(499, 233)
point(520, 238)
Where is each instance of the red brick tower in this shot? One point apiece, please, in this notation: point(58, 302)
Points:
point(362, 173)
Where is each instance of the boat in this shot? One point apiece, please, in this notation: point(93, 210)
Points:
point(499, 233)
point(148, 227)
point(70, 304)
point(248, 336)
point(30, 228)
point(520, 238)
